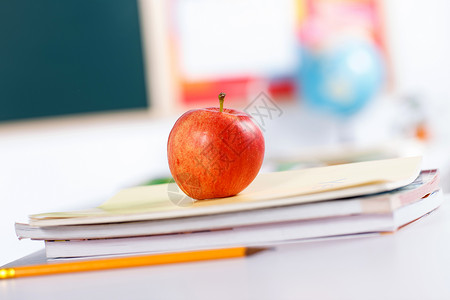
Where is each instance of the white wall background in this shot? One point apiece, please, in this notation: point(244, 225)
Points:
point(419, 39)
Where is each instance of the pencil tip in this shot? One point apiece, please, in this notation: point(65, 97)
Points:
point(7, 273)
point(254, 250)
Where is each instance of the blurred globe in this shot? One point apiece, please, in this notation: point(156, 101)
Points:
point(341, 78)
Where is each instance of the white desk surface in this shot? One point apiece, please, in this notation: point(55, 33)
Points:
point(413, 263)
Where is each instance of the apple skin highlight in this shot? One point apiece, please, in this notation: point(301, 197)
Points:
point(214, 154)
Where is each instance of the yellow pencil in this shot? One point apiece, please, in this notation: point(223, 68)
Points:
point(126, 262)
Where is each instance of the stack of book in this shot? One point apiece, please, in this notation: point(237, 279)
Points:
point(335, 201)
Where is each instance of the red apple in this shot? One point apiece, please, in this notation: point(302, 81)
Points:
point(214, 152)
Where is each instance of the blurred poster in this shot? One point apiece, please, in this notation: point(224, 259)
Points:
point(325, 19)
point(242, 47)
point(236, 46)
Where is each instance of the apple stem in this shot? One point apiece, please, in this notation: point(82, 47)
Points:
point(221, 99)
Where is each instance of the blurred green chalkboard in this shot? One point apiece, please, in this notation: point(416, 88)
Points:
point(60, 57)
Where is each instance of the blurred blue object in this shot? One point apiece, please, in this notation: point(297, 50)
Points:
point(342, 78)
